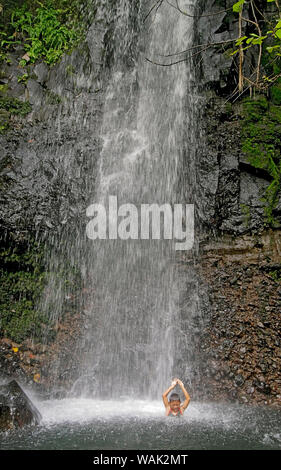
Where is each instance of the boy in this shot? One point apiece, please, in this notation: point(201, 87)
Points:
point(173, 406)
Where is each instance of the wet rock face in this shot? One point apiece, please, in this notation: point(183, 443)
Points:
point(16, 409)
point(49, 154)
point(232, 190)
point(241, 341)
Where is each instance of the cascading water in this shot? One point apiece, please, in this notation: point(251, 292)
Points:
point(141, 312)
point(141, 305)
point(133, 328)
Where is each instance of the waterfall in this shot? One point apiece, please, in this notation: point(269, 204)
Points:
point(134, 339)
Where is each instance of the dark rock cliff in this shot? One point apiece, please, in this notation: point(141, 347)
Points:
point(43, 148)
point(232, 189)
point(42, 155)
point(239, 261)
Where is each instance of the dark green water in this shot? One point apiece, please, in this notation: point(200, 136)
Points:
point(86, 424)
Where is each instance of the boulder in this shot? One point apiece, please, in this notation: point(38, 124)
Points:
point(16, 409)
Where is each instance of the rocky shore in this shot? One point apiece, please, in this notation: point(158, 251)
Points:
point(38, 365)
point(241, 342)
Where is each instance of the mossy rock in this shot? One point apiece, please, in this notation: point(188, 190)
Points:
point(4, 119)
point(275, 113)
point(21, 282)
point(275, 94)
point(15, 106)
point(254, 109)
point(52, 98)
point(261, 131)
point(3, 89)
point(261, 137)
point(23, 277)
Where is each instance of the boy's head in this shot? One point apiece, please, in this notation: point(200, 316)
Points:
point(174, 402)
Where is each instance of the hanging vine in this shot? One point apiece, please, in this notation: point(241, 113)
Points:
point(267, 35)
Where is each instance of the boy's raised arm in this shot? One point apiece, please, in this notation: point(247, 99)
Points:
point(186, 394)
point(166, 393)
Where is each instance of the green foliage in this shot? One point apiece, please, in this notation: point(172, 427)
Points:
point(3, 89)
point(4, 121)
point(46, 37)
point(4, 58)
point(10, 106)
point(23, 279)
point(47, 29)
point(15, 106)
point(261, 143)
point(265, 32)
point(238, 6)
point(245, 209)
point(4, 128)
point(254, 109)
point(21, 282)
point(276, 275)
point(52, 98)
point(23, 78)
point(275, 94)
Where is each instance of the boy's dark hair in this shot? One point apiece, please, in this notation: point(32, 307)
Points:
point(174, 397)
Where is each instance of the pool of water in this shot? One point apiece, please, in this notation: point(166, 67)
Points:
point(88, 424)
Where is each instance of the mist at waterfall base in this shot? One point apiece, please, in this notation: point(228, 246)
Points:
point(86, 424)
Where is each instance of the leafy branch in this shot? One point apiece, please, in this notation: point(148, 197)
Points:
point(268, 41)
point(259, 39)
